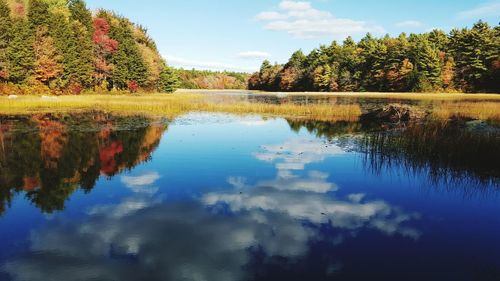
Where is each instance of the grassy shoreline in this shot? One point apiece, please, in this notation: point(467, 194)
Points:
point(376, 95)
point(484, 107)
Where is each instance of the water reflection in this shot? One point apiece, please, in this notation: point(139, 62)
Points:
point(450, 153)
point(49, 157)
point(230, 198)
point(217, 236)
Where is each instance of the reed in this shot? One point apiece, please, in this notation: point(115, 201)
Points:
point(474, 110)
point(173, 105)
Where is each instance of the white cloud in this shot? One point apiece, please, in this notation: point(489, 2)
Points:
point(302, 20)
point(204, 65)
point(254, 55)
point(409, 23)
point(270, 16)
point(490, 9)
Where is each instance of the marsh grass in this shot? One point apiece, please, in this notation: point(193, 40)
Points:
point(474, 110)
point(172, 106)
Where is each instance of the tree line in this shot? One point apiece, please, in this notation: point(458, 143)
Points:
point(60, 46)
point(465, 60)
point(206, 79)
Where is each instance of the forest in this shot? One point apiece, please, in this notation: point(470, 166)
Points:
point(60, 46)
point(206, 79)
point(465, 60)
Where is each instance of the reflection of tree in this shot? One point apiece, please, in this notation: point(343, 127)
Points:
point(324, 129)
point(447, 151)
point(56, 159)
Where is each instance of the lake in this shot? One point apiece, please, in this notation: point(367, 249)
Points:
point(209, 196)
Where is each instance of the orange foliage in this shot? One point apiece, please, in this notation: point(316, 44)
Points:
point(107, 156)
point(31, 183)
point(53, 137)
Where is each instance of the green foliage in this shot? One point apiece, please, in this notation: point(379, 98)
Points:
point(20, 53)
point(464, 60)
point(169, 80)
point(75, 51)
point(205, 79)
point(5, 37)
point(38, 13)
point(128, 61)
point(79, 12)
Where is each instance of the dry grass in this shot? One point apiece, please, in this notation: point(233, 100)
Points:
point(172, 105)
point(474, 110)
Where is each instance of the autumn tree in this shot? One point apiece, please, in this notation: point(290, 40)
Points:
point(104, 47)
point(47, 61)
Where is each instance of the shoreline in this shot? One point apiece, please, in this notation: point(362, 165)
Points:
point(387, 95)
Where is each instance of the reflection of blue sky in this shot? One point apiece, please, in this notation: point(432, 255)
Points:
point(213, 191)
point(144, 237)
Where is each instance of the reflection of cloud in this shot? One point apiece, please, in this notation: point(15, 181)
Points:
point(142, 183)
point(211, 238)
point(163, 242)
point(314, 207)
point(297, 153)
point(315, 182)
point(254, 123)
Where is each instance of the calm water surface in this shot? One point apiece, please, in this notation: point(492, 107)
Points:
point(222, 197)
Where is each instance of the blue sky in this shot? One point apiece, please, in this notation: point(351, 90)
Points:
point(239, 34)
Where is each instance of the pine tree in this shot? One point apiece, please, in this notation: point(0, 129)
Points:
point(82, 66)
point(79, 12)
point(60, 31)
point(427, 62)
point(5, 37)
point(47, 66)
point(20, 52)
point(128, 62)
point(169, 80)
point(38, 13)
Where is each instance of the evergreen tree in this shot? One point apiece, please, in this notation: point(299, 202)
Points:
point(82, 65)
point(5, 37)
point(79, 12)
point(20, 53)
point(64, 41)
point(427, 62)
point(38, 13)
point(128, 62)
point(169, 80)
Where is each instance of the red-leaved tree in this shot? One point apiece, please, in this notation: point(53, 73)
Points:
point(104, 46)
